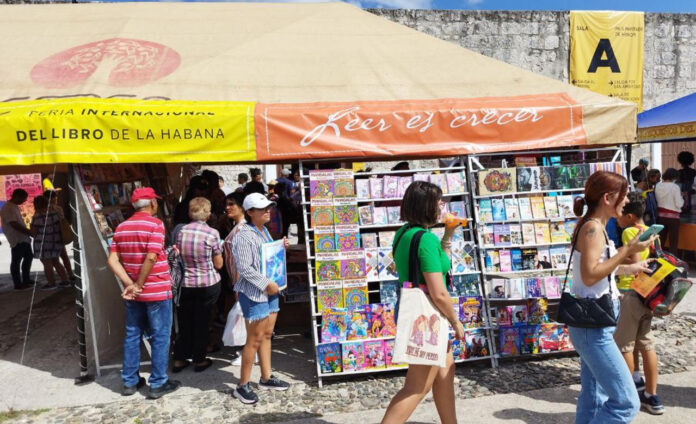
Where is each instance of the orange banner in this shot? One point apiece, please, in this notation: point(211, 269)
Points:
point(443, 127)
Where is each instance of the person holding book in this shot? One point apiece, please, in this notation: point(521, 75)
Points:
point(669, 204)
point(257, 295)
point(420, 210)
point(633, 333)
point(608, 394)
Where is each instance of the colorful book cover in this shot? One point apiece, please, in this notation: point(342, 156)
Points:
point(421, 177)
point(501, 235)
point(365, 215)
point(387, 267)
point(564, 341)
point(487, 235)
point(496, 288)
point(355, 296)
point(528, 234)
point(386, 238)
point(545, 182)
point(345, 210)
point(565, 206)
point(552, 287)
point(492, 260)
point(498, 209)
point(358, 323)
point(458, 349)
point(509, 341)
point(551, 207)
point(505, 260)
point(391, 187)
point(516, 256)
point(441, 181)
point(321, 213)
point(379, 215)
point(470, 312)
point(333, 325)
point(444, 208)
point(328, 266)
point(321, 184)
point(353, 356)
point(529, 259)
point(548, 339)
point(538, 210)
point(533, 287)
point(570, 227)
point(525, 206)
point(344, 185)
point(389, 355)
point(529, 339)
point(368, 240)
point(476, 344)
point(352, 264)
point(512, 210)
point(485, 210)
point(382, 322)
point(537, 311)
point(376, 188)
point(468, 257)
point(515, 288)
point(503, 315)
point(497, 181)
point(94, 196)
point(543, 258)
point(515, 234)
point(393, 214)
point(558, 233)
point(372, 264)
point(329, 355)
point(404, 182)
point(458, 208)
point(387, 291)
point(542, 232)
point(559, 257)
point(324, 239)
point(362, 188)
point(329, 298)
point(560, 177)
point(347, 237)
point(466, 285)
point(519, 314)
point(374, 354)
point(455, 182)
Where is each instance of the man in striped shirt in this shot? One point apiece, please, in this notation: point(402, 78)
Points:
point(137, 258)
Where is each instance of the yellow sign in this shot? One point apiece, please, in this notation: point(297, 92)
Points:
point(86, 130)
point(606, 53)
point(667, 132)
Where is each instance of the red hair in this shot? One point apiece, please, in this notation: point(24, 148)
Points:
point(599, 184)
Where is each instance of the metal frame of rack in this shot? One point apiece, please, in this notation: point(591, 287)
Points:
point(475, 166)
point(468, 233)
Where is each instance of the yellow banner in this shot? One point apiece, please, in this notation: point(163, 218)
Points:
point(606, 53)
point(86, 130)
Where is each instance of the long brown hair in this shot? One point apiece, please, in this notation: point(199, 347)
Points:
point(599, 184)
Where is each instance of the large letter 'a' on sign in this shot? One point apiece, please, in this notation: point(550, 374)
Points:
point(604, 47)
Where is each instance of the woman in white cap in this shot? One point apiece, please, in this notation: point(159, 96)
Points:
point(258, 297)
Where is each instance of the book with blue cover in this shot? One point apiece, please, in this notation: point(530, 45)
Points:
point(485, 210)
point(498, 209)
point(516, 256)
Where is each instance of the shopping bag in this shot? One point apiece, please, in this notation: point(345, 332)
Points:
point(421, 331)
point(235, 329)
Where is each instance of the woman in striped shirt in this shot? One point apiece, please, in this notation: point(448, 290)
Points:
point(257, 295)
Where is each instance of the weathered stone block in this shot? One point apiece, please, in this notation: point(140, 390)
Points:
point(551, 42)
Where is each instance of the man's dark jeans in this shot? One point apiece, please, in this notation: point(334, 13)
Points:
point(21, 254)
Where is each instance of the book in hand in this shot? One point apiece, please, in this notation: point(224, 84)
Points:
point(273, 262)
point(644, 283)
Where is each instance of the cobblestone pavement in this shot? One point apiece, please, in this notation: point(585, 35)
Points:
point(675, 345)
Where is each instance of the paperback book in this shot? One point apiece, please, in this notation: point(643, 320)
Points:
point(537, 311)
point(466, 285)
point(470, 312)
point(352, 264)
point(404, 182)
point(343, 183)
point(559, 257)
point(529, 259)
point(455, 182)
point(516, 255)
point(374, 354)
point(525, 206)
point(538, 211)
point(357, 323)
point(492, 261)
point(509, 341)
point(519, 314)
point(515, 234)
point(353, 356)
point(487, 235)
point(387, 267)
point(558, 233)
point(503, 315)
point(441, 181)
point(333, 325)
point(512, 210)
point(379, 215)
point(391, 187)
point(543, 258)
point(497, 181)
point(458, 208)
point(369, 240)
point(501, 235)
point(365, 215)
point(362, 188)
point(529, 339)
point(552, 287)
point(372, 264)
point(324, 239)
point(382, 322)
point(498, 208)
point(376, 188)
point(321, 184)
point(528, 233)
point(516, 288)
point(386, 238)
point(387, 291)
point(505, 260)
point(329, 298)
point(533, 287)
point(549, 340)
point(565, 206)
point(551, 207)
point(329, 355)
point(496, 288)
point(485, 210)
point(347, 237)
point(542, 232)
point(345, 210)
point(328, 266)
point(476, 344)
point(393, 214)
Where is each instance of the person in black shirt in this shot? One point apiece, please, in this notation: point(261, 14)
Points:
point(686, 178)
point(639, 173)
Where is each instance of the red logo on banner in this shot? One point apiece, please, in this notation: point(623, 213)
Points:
point(129, 63)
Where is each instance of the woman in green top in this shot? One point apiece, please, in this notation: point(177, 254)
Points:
point(420, 209)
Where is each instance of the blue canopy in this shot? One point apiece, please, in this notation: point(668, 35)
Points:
point(675, 120)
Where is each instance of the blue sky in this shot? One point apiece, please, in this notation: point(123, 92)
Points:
point(674, 6)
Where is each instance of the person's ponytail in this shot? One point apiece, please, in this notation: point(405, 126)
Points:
point(579, 206)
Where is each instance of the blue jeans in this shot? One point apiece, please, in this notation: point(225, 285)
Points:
point(155, 320)
point(608, 394)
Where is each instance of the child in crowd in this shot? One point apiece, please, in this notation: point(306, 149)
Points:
point(633, 329)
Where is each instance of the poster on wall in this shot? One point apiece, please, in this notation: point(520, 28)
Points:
point(31, 183)
point(606, 53)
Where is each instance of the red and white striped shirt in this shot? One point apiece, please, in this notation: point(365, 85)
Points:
point(133, 240)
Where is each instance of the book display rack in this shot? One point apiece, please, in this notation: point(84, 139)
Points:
point(524, 223)
point(351, 219)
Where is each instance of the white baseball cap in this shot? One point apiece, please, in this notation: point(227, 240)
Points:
point(256, 201)
point(285, 171)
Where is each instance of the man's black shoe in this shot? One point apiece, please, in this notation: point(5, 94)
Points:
point(168, 387)
point(129, 391)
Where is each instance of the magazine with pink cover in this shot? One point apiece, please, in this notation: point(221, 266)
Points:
point(374, 354)
point(321, 184)
point(353, 356)
point(441, 181)
point(347, 237)
point(352, 264)
point(376, 188)
point(404, 182)
point(455, 182)
point(391, 187)
point(379, 215)
point(553, 288)
point(362, 188)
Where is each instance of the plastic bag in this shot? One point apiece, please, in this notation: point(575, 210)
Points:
point(235, 328)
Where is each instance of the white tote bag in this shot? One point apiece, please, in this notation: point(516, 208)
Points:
point(235, 329)
point(421, 331)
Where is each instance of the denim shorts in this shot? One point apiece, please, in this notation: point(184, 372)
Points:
point(255, 311)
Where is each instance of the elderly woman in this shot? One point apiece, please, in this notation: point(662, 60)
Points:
point(199, 246)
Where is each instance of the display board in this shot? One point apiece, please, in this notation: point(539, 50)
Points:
point(524, 224)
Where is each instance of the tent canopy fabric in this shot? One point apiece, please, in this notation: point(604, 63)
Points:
point(675, 120)
point(272, 54)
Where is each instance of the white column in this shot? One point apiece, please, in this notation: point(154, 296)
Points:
point(656, 156)
point(269, 173)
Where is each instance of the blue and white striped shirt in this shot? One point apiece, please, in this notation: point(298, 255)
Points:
point(246, 249)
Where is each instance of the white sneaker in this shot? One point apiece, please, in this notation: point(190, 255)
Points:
point(237, 362)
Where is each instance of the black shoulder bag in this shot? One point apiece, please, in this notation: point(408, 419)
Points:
point(586, 312)
point(413, 262)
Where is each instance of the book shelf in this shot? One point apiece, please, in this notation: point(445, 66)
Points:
point(380, 285)
point(522, 285)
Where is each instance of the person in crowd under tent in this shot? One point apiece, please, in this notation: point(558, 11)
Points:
point(257, 177)
point(648, 193)
point(48, 243)
point(199, 247)
point(639, 173)
point(48, 183)
point(652, 177)
point(686, 178)
point(53, 206)
point(287, 182)
point(254, 187)
point(286, 208)
point(258, 297)
point(214, 194)
point(421, 210)
point(223, 186)
point(242, 179)
point(197, 187)
point(137, 258)
point(608, 393)
point(19, 237)
point(669, 205)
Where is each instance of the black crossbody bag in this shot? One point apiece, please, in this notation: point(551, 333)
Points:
point(586, 312)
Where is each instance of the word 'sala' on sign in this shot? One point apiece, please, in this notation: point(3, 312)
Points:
point(606, 53)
